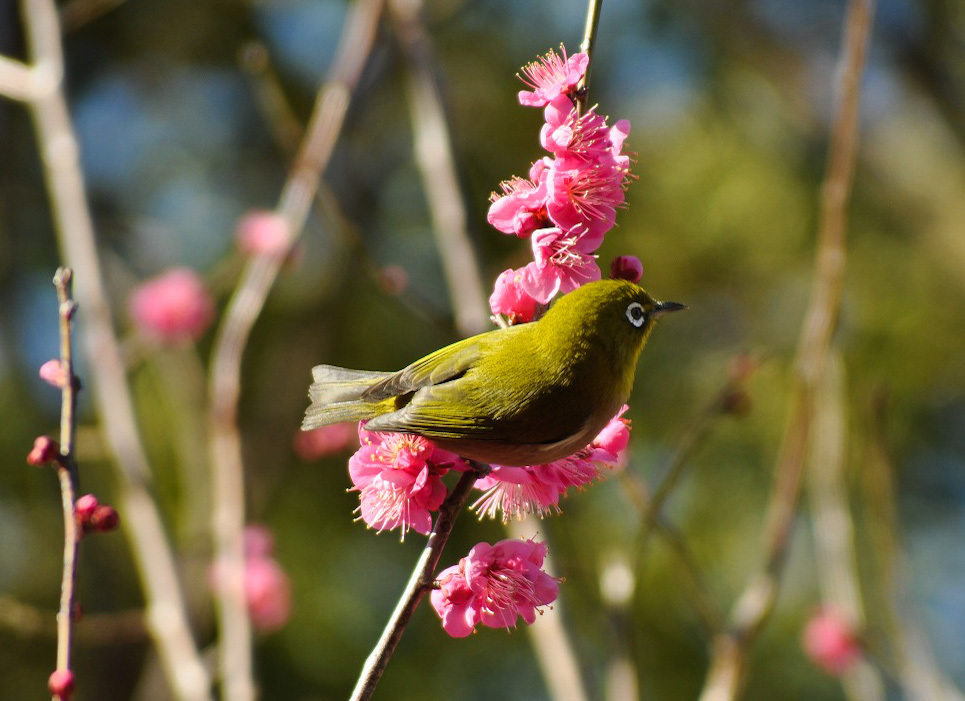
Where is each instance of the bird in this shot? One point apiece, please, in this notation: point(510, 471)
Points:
point(526, 394)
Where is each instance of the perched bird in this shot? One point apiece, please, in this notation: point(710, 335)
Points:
point(523, 395)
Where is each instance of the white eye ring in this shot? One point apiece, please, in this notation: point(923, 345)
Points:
point(636, 314)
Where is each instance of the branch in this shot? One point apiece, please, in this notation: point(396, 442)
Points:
point(67, 469)
point(832, 523)
point(331, 103)
point(419, 583)
point(59, 152)
point(433, 152)
point(753, 608)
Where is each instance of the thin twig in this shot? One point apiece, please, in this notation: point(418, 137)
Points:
point(832, 523)
point(433, 152)
point(166, 613)
point(593, 8)
point(419, 583)
point(67, 469)
point(324, 126)
point(753, 608)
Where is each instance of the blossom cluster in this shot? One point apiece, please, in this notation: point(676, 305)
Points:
point(399, 479)
point(494, 585)
point(569, 200)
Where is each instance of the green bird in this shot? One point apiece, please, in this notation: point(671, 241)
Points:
point(523, 395)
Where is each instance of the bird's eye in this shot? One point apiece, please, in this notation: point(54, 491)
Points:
point(636, 314)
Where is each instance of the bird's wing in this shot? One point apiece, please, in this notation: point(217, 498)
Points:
point(443, 365)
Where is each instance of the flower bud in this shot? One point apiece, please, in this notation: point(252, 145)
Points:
point(103, 520)
point(52, 372)
point(626, 268)
point(84, 508)
point(45, 450)
point(830, 642)
point(172, 307)
point(263, 233)
point(61, 683)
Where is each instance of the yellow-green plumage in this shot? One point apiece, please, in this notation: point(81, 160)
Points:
point(527, 394)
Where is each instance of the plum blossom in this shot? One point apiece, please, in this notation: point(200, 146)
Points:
point(515, 492)
point(266, 585)
point(509, 298)
point(53, 373)
point(561, 265)
point(263, 232)
point(494, 585)
point(173, 307)
point(324, 440)
point(569, 201)
point(830, 642)
point(399, 479)
point(552, 75)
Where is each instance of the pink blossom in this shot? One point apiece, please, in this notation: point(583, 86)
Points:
point(52, 372)
point(551, 75)
point(399, 478)
point(325, 440)
point(268, 593)
point(626, 268)
point(173, 307)
point(267, 588)
point(830, 642)
point(561, 265)
point(511, 299)
point(521, 209)
point(614, 437)
point(493, 586)
point(515, 492)
point(263, 233)
point(581, 138)
point(585, 199)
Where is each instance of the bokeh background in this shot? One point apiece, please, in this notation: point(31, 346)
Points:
point(730, 105)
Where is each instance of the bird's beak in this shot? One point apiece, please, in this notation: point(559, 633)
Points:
point(661, 308)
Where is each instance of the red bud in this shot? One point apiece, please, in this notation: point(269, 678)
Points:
point(61, 683)
point(45, 450)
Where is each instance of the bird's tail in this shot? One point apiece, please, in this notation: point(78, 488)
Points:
point(336, 395)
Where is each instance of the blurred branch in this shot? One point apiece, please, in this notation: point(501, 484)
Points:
point(433, 152)
point(67, 468)
point(833, 526)
point(753, 608)
point(557, 659)
point(419, 583)
point(918, 673)
point(298, 193)
point(25, 621)
point(59, 152)
point(74, 14)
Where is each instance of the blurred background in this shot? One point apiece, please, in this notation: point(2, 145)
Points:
point(187, 113)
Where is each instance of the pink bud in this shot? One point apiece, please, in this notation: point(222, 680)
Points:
point(172, 307)
point(84, 507)
point(45, 450)
point(626, 268)
point(263, 233)
point(269, 594)
point(52, 372)
point(393, 279)
point(830, 642)
point(61, 683)
point(326, 440)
